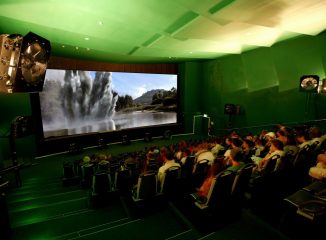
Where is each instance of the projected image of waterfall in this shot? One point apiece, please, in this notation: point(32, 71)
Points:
point(79, 102)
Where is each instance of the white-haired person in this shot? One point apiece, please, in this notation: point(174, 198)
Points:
point(275, 154)
point(319, 171)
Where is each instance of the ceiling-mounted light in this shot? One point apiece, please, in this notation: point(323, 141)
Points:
point(309, 83)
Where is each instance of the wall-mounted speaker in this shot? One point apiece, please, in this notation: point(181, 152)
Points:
point(231, 109)
point(125, 140)
point(167, 134)
point(309, 83)
point(147, 137)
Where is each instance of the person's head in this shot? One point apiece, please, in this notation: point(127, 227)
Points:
point(236, 142)
point(235, 155)
point(321, 158)
point(228, 141)
point(276, 144)
point(269, 136)
point(247, 144)
point(290, 140)
point(166, 154)
point(314, 132)
point(301, 134)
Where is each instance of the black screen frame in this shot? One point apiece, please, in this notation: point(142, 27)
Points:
point(50, 145)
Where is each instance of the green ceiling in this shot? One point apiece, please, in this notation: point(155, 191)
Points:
point(161, 31)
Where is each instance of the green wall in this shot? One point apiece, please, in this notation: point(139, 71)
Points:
point(190, 102)
point(264, 82)
point(12, 105)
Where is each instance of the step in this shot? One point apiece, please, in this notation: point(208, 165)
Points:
point(49, 211)
point(45, 200)
point(160, 225)
point(71, 225)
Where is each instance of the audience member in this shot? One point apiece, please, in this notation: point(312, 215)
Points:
point(315, 136)
point(169, 161)
point(276, 148)
point(302, 137)
point(319, 171)
point(248, 150)
point(236, 162)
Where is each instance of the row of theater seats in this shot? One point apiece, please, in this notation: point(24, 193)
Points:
point(226, 192)
point(304, 212)
point(103, 181)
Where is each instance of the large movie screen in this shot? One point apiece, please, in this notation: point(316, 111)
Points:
point(79, 102)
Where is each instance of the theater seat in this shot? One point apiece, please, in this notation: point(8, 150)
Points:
point(241, 183)
point(101, 187)
point(219, 195)
point(146, 187)
point(171, 182)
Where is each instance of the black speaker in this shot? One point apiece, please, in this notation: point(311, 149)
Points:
point(148, 137)
point(167, 134)
point(309, 83)
point(230, 109)
point(125, 140)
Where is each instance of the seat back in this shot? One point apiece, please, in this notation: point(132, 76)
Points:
point(241, 182)
point(219, 194)
point(199, 173)
point(270, 165)
point(101, 182)
point(146, 186)
point(87, 174)
point(201, 166)
point(169, 184)
point(152, 165)
point(122, 180)
point(68, 170)
point(187, 167)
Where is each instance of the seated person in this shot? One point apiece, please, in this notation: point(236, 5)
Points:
point(169, 161)
point(276, 148)
point(217, 148)
point(205, 155)
point(290, 146)
point(315, 136)
point(302, 137)
point(236, 143)
point(185, 154)
point(319, 171)
point(268, 137)
point(236, 163)
point(248, 150)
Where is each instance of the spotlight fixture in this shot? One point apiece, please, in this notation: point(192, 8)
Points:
point(309, 83)
point(23, 62)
